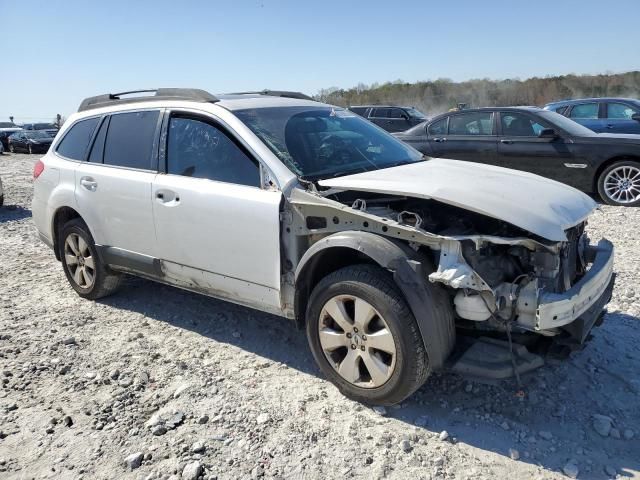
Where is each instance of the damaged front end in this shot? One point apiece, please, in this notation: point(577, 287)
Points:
point(498, 276)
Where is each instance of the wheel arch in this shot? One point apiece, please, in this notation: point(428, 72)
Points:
point(429, 304)
point(61, 216)
point(607, 163)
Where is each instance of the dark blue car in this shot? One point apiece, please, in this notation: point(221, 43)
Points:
point(602, 115)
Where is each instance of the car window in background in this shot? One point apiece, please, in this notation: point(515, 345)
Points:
point(38, 134)
point(397, 113)
point(380, 113)
point(76, 140)
point(439, 127)
point(519, 125)
point(561, 110)
point(416, 113)
point(474, 123)
point(585, 110)
point(201, 150)
point(359, 110)
point(130, 139)
point(569, 126)
point(619, 111)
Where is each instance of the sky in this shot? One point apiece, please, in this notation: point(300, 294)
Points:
point(57, 53)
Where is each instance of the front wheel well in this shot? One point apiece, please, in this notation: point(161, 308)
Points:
point(60, 218)
point(319, 266)
point(604, 165)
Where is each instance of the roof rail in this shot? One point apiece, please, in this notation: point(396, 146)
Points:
point(108, 99)
point(277, 93)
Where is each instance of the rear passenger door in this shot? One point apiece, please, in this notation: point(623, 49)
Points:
point(471, 137)
point(588, 114)
point(218, 229)
point(113, 187)
point(380, 116)
point(619, 118)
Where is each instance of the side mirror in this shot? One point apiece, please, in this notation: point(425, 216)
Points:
point(547, 133)
point(636, 117)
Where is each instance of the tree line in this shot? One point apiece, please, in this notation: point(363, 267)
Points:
point(437, 96)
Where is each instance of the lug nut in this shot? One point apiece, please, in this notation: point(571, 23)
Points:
point(355, 330)
point(353, 346)
point(362, 348)
point(364, 338)
point(348, 335)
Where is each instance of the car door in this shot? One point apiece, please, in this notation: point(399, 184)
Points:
point(470, 137)
point(113, 187)
point(588, 114)
point(380, 116)
point(218, 229)
point(619, 118)
point(398, 120)
point(521, 148)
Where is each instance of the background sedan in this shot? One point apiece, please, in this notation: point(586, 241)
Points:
point(536, 141)
point(30, 141)
point(603, 115)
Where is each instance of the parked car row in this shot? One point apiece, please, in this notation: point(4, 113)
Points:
point(602, 115)
point(13, 134)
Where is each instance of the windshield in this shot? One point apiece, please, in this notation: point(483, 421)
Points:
point(568, 125)
point(38, 134)
point(43, 126)
point(416, 113)
point(326, 142)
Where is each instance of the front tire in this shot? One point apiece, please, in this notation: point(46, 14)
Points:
point(364, 337)
point(619, 184)
point(84, 269)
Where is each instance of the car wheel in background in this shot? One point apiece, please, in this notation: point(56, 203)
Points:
point(84, 269)
point(619, 184)
point(364, 337)
point(12, 148)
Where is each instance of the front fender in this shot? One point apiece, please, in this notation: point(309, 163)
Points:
point(429, 304)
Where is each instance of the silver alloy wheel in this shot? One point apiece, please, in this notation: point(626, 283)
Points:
point(78, 258)
point(357, 341)
point(622, 184)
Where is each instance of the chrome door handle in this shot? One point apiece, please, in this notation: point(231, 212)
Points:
point(439, 140)
point(89, 183)
point(508, 142)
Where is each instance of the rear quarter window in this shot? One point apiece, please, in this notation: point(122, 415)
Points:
point(129, 141)
point(76, 141)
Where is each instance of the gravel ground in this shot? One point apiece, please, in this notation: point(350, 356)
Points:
point(155, 382)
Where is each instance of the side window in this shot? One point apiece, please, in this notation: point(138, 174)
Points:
point(474, 123)
point(97, 151)
point(585, 110)
point(619, 111)
point(76, 141)
point(358, 110)
point(397, 113)
point(519, 125)
point(439, 127)
point(201, 150)
point(380, 113)
point(562, 110)
point(130, 139)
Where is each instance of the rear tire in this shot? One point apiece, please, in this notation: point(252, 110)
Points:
point(378, 377)
point(84, 269)
point(619, 184)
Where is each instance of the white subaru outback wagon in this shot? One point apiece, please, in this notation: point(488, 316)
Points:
point(396, 264)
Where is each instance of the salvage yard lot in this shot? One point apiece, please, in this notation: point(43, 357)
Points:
point(200, 386)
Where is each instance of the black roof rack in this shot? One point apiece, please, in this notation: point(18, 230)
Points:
point(191, 94)
point(277, 93)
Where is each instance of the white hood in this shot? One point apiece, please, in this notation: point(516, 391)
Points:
point(536, 204)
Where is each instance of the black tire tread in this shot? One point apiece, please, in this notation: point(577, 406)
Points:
point(376, 277)
point(107, 281)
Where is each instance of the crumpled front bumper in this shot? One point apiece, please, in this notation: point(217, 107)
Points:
point(584, 301)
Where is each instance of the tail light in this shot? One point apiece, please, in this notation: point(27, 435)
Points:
point(38, 169)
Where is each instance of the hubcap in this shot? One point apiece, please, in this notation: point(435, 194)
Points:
point(78, 258)
point(622, 184)
point(357, 341)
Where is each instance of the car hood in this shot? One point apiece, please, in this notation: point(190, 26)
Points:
point(536, 204)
